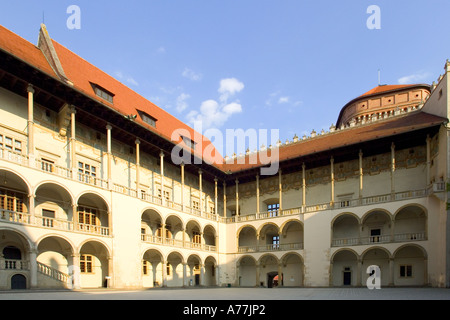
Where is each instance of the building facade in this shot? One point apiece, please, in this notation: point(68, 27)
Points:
point(90, 196)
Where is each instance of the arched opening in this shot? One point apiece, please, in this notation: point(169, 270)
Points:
point(174, 231)
point(14, 202)
point(151, 227)
point(247, 272)
point(174, 270)
point(269, 238)
point(53, 207)
point(345, 231)
point(376, 227)
point(152, 269)
point(194, 272)
point(268, 268)
point(344, 269)
point(209, 236)
point(292, 268)
point(291, 235)
point(194, 233)
point(410, 224)
point(378, 257)
point(247, 239)
point(410, 266)
point(94, 265)
point(210, 271)
point(55, 262)
point(93, 214)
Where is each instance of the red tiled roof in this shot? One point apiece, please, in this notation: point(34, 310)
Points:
point(385, 88)
point(347, 137)
point(24, 50)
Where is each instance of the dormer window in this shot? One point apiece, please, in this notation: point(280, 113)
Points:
point(102, 93)
point(188, 142)
point(148, 119)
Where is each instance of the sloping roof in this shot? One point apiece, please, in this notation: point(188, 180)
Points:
point(386, 88)
point(342, 138)
point(24, 50)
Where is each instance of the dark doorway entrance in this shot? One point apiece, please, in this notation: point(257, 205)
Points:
point(347, 278)
point(18, 282)
point(272, 279)
point(197, 279)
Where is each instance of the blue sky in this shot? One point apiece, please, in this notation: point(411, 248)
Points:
point(252, 64)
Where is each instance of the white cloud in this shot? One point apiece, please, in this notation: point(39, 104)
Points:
point(414, 78)
point(181, 102)
point(283, 100)
point(214, 114)
point(191, 75)
point(229, 87)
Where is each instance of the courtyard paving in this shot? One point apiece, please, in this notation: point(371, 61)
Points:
point(235, 294)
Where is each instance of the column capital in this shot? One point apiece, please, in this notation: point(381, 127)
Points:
point(137, 141)
point(108, 126)
point(215, 179)
point(200, 171)
point(237, 181)
point(30, 88)
point(161, 154)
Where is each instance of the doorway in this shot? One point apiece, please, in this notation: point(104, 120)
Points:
point(347, 278)
point(272, 279)
point(18, 282)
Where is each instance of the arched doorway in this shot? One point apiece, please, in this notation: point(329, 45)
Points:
point(18, 282)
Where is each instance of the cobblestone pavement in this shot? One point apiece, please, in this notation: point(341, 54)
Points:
point(246, 294)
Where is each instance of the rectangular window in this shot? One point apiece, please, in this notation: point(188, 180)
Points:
point(104, 94)
point(144, 267)
point(196, 237)
point(86, 263)
point(273, 209)
point(87, 216)
point(375, 235)
point(149, 120)
point(195, 205)
point(405, 271)
point(10, 144)
point(86, 173)
point(47, 165)
point(276, 242)
point(188, 142)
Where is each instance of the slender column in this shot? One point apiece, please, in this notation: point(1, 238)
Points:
point(76, 271)
point(392, 168)
point(202, 274)
point(30, 91)
point(391, 272)
point(358, 273)
point(161, 157)
point(303, 186)
point(428, 160)
point(200, 191)
point(280, 274)
point(332, 179)
point(215, 196)
point(163, 233)
point(138, 159)
point(33, 268)
point(109, 154)
point(237, 197)
point(224, 199)
point(73, 140)
point(360, 174)
point(31, 208)
point(280, 188)
point(182, 186)
point(184, 274)
point(164, 273)
point(257, 274)
point(257, 193)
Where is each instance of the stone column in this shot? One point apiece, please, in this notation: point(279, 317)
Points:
point(257, 193)
point(392, 170)
point(73, 139)
point(237, 197)
point(33, 267)
point(224, 199)
point(76, 271)
point(280, 188)
point(138, 159)
point(31, 158)
point(303, 187)
point(360, 175)
point(109, 155)
point(182, 186)
point(332, 180)
point(215, 196)
point(200, 191)
point(161, 157)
